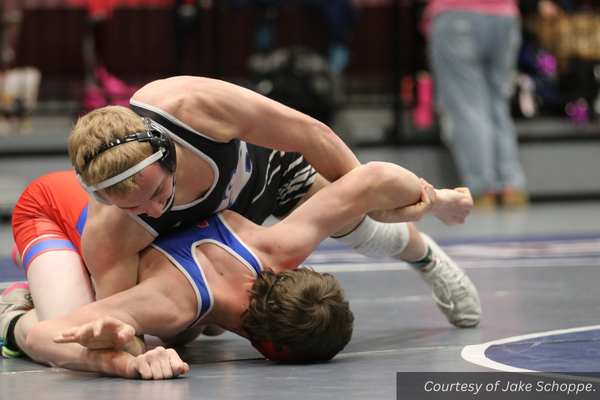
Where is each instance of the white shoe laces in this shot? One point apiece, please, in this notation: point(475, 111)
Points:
point(444, 282)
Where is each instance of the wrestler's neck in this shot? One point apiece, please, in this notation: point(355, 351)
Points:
point(194, 176)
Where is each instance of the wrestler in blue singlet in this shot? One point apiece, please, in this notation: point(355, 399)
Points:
point(180, 247)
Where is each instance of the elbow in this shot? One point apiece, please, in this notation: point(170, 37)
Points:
point(36, 339)
point(177, 318)
point(40, 344)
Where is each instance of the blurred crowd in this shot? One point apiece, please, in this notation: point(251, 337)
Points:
point(548, 64)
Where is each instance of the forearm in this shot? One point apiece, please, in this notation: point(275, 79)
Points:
point(110, 361)
point(74, 356)
point(287, 130)
point(374, 187)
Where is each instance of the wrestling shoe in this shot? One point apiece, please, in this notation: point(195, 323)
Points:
point(452, 289)
point(14, 301)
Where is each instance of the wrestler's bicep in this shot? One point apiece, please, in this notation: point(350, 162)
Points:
point(111, 249)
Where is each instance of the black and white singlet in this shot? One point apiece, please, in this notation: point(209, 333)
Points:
point(253, 181)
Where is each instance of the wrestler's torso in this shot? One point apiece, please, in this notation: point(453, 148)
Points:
point(210, 253)
point(240, 172)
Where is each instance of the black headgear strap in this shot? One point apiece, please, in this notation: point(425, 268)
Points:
point(159, 140)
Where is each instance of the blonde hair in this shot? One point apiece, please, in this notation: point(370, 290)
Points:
point(301, 309)
point(100, 127)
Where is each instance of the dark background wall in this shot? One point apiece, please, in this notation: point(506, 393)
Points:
point(138, 44)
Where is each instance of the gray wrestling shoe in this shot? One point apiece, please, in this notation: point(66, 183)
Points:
point(452, 289)
point(14, 301)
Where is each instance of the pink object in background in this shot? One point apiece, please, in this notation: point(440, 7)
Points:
point(578, 111)
point(112, 91)
point(105, 8)
point(423, 114)
point(14, 254)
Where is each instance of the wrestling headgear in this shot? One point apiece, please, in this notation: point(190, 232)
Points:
point(163, 149)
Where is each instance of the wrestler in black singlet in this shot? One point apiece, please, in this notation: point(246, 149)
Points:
point(251, 180)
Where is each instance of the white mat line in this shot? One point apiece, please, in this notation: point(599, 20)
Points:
point(476, 353)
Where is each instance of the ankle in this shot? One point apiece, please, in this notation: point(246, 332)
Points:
point(11, 340)
point(424, 261)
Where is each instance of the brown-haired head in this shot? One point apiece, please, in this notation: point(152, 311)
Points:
point(299, 313)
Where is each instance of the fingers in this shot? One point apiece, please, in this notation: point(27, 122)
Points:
point(77, 334)
point(64, 339)
point(113, 327)
point(425, 183)
point(67, 336)
point(159, 363)
point(104, 332)
point(98, 326)
point(463, 190)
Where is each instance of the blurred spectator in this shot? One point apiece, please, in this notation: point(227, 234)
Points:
point(11, 16)
point(296, 76)
point(340, 17)
point(473, 48)
point(549, 10)
point(18, 86)
point(101, 87)
point(538, 83)
point(572, 37)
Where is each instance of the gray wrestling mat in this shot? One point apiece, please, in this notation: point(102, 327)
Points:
point(536, 271)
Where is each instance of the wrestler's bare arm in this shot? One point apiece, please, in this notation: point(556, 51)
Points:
point(105, 333)
point(158, 363)
point(151, 307)
point(374, 186)
point(225, 111)
point(128, 361)
point(111, 242)
point(384, 190)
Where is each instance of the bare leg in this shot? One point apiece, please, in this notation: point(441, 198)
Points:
point(59, 284)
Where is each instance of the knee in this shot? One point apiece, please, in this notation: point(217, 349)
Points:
point(393, 185)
